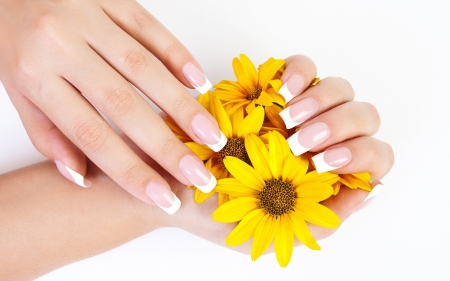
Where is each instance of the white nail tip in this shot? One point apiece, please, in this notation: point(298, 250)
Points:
point(79, 179)
point(286, 116)
point(205, 88)
point(175, 206)
point(295, 146)
point(218, 146)
point(284, 91)
point(321, 165)
point(209, 186)
point(375, 191)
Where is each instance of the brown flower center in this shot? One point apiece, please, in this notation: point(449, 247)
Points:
point(234, 147)
point(254, 94)
point(277, 197)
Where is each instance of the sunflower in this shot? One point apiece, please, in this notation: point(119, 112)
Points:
point(235, 127)
point(253, 87)
point(275, 198)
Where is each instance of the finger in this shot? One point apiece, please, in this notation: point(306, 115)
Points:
point(329, 93)
point(144, 71)
point(362, 154)
point(346, 121)
point(148, 31)
point(118, 100)
point(299, 74)
point(84, 126)
point(49, 140)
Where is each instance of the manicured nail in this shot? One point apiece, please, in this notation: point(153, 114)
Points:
point(375, 191)
point(208, 132)
point(195, 171)
point(299, 112)
point(71, 175)
point(332, 159)
point(292, 87)
point(163, 197)
point(308, 138)
point(197, 79)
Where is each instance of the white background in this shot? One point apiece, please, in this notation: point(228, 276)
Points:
point(396, 55)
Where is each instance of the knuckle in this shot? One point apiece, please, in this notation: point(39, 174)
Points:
point(346, 87)
point(119, 102)
point(141, 21)
point(132, 175)
point(91, 135)
point(180, 103)
point(373, 115)
point(167, 146)
point(173, 49)
point(135, 62)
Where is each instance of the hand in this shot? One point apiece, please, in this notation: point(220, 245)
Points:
point(64, 60)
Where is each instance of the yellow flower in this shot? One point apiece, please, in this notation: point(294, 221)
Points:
point(235, 127)
point(275, 198)
point(254, 88)
point(353, 181)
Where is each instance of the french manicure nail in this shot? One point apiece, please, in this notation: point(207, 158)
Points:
point(72, 175)
point(196, 172)
point(163, 197)
point(208, 132)
point(197, 79)
point(308, 138)
point(292, 87)
point(370, 197)
point(299, 112)
point(332, 159)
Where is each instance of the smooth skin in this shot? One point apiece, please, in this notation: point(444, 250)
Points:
point(48, 222)
point(66, 61)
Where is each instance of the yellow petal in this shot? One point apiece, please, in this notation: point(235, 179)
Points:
point(258, 154)
point(236, 118)
point(301, 231)
point(205, 101)
point(316, 192)
point(297, 170)
point(313, 176)
point(316, 213)
point(278, 150)
point(269, 73)
point(250, 69)
point(230, 86)
point(242, 76)
point(233, 187)
point(243, 172)
point(354, 182)
point(222, 199)
point(264, 234)
point(284, 241)
point(202, 151)
point(252, 123)
point(264, 99)
point(273, 113)
point(277, 98)
point(365, 176)
point(276, 84)
point(235, 210)
point(246, 228)
point(250, 107)
point(221, 117)
point(228, 96)
point(238, 104)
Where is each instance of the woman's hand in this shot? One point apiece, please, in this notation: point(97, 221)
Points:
point(63, 62)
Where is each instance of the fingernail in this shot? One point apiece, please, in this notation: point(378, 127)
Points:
point(332, 159)
point(292, 87)
point(370, 197)
point(299, 112)
point(208, 132)
point(195, 171)
point(308, 138)
point(197, 79)
point(71, 175)
point(163, 197)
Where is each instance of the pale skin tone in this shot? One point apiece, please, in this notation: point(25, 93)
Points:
point(48, 222)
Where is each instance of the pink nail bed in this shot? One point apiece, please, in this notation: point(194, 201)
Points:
point(332, 159)
point(208, 132)
point(196, 78)
point(308, 138)
point(195, 171)
point(163, 196)
point(292, 87)
point(299, 112)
